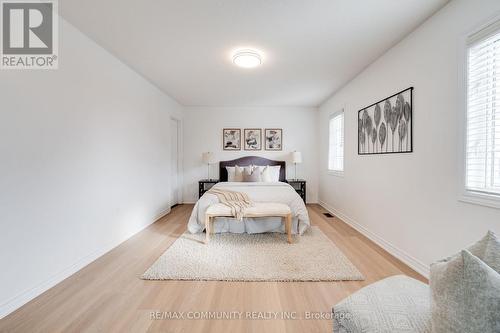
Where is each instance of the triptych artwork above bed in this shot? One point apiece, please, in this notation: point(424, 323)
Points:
point(252, 139)
point(387, 126)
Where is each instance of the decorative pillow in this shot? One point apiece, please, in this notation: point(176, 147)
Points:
point(449, 290)
point(235, 174)
point(488, 250)
point(253, 176)
point(239, 173)
point(260, 168)
point(481, 287)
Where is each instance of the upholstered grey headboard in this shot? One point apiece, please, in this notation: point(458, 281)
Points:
point(250, 160)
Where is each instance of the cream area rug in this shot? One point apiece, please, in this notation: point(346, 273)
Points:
point(253, 257)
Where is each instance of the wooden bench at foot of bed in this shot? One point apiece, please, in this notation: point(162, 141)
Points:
point(260, 209)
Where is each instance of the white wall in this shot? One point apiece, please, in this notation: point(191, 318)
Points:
point(408, 202)
point(203, 132)
point(84, 158)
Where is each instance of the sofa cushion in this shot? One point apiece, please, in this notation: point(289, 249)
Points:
point(466, 296)
point(395, 304)
point(488, 250)
point(482, 299)
point(449, 288)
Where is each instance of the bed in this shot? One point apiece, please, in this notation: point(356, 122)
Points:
point(278, 191)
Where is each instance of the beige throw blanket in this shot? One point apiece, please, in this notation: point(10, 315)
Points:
point(237, 201)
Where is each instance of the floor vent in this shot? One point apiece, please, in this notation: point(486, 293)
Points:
point(328, 215)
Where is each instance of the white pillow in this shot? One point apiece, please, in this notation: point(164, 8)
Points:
point(230, 174)
point(265, 175)
point(270, 174)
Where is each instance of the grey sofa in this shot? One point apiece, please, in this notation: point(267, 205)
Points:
point(395, 304)
point(463, 296)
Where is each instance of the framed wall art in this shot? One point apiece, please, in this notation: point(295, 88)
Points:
point(252, 139)
point(273, 138)
point(386, 126)
point(231, 139)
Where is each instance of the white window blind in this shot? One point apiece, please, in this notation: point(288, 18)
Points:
point(483, 113)
point(336, 143)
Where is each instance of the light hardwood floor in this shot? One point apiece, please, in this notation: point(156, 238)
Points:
point(108, 296)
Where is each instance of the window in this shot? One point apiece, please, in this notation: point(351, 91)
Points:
point(336, 143)
point(482, 149)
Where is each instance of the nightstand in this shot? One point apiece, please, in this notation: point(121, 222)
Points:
point(300, 186)
point(205, 185)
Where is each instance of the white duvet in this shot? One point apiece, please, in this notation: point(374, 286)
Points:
point(258, 192)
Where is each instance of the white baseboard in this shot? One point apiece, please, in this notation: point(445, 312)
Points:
point(409, 260)
point(24, 297)
point(161, 214)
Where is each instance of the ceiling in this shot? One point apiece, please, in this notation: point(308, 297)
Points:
point(311, 47)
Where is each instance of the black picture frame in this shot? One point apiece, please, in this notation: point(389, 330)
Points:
point(403, 117)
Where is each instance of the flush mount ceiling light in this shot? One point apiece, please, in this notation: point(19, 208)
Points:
point(247, 58)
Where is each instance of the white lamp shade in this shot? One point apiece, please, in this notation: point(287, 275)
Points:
point(296, 157)
point(208, 158)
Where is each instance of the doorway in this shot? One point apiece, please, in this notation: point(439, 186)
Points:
point(175, 163)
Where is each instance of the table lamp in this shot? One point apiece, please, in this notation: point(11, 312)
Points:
point(208, 158)
point(296, 159)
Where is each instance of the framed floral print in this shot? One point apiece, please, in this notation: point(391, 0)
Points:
point(231, 139)
point(273, 139)
point(252, 139)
